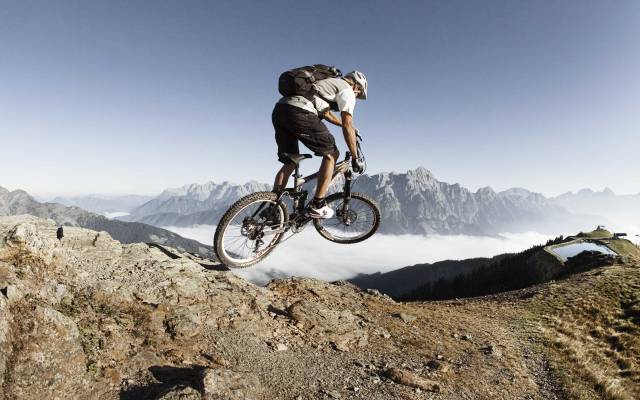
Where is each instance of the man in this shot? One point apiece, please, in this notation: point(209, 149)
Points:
point(296, 118)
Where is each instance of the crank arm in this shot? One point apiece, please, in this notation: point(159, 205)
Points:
point(275, 231)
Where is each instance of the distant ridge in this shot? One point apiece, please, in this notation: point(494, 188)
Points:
point(192, 204)
point(102, 204)
point(19, 202)
point(621, 210)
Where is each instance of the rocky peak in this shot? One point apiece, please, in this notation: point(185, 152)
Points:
point(486, 192)
point(516, 192)
point(421, 173)
point(585, 192)
point(195, 198)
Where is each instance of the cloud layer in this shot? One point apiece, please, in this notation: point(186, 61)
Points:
point(308, 254)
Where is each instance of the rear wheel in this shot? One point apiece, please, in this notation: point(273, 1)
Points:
point(351, 224)
point(250, 230)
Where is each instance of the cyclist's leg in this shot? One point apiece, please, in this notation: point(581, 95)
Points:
point(318, 138)
point(308, 128)
point(287, 143)
point(282, 177)
point(325, 173)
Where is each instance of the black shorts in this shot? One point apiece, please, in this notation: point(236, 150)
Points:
point(292, 124)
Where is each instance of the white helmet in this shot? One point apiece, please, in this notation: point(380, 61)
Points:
point(361, 80)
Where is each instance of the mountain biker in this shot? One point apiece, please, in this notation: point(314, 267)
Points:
point(298, 118)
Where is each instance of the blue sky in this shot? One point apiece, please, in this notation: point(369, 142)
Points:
point(137, 96)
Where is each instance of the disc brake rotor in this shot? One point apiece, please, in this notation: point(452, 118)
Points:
point(348, 217)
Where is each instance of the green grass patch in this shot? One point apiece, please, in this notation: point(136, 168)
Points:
point(598, 233)
point(623, 247)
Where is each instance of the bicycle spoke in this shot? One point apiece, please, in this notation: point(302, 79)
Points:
point(247, 236)
point(361, 214)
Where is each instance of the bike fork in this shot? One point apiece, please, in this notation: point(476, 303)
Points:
point(347, 192)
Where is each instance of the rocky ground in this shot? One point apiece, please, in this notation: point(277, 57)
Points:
point(85, 316)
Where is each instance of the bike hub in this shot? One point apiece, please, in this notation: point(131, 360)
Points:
point(250, 229)
point(348, 216)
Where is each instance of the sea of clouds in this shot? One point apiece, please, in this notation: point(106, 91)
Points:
point(308, 254)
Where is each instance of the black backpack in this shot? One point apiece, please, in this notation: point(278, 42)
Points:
point(299, 81)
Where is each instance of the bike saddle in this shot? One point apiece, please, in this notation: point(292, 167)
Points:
point(295, 158)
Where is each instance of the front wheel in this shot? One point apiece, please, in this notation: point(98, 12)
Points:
point(250, 229)
point(354, 220)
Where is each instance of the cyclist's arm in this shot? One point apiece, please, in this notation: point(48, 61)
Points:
point(349, 133)
point(329, 116)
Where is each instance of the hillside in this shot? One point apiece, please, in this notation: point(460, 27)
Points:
point(400, 281)
point(19, 202)
point(85, 316)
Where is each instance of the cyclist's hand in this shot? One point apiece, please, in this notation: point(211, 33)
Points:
point(357, 164)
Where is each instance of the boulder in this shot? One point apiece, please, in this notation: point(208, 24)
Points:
point(340, 327)
point(408, 378)
point(180, 392)
point(48, 360)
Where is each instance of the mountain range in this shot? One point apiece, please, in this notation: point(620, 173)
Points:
point(621, 210)
point(103, 204)
point(414, 202)
point(192, 204)
point(19, 202)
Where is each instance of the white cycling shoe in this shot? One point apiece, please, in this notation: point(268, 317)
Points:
point(320, 213)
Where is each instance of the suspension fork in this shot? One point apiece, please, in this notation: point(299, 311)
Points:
point(347, 192)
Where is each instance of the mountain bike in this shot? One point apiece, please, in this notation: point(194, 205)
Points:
point(254, 225)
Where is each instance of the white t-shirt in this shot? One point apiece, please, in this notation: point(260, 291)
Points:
point(333, 89)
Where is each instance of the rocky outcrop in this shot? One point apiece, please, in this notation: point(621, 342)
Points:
point(86, 316)
point(81, 312)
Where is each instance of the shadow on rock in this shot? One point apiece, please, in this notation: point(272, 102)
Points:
point(166, 377)
point(204, 262)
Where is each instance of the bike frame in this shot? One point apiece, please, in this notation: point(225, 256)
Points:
point(299, 196)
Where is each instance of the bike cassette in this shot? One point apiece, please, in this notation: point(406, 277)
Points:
point(250, 229)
